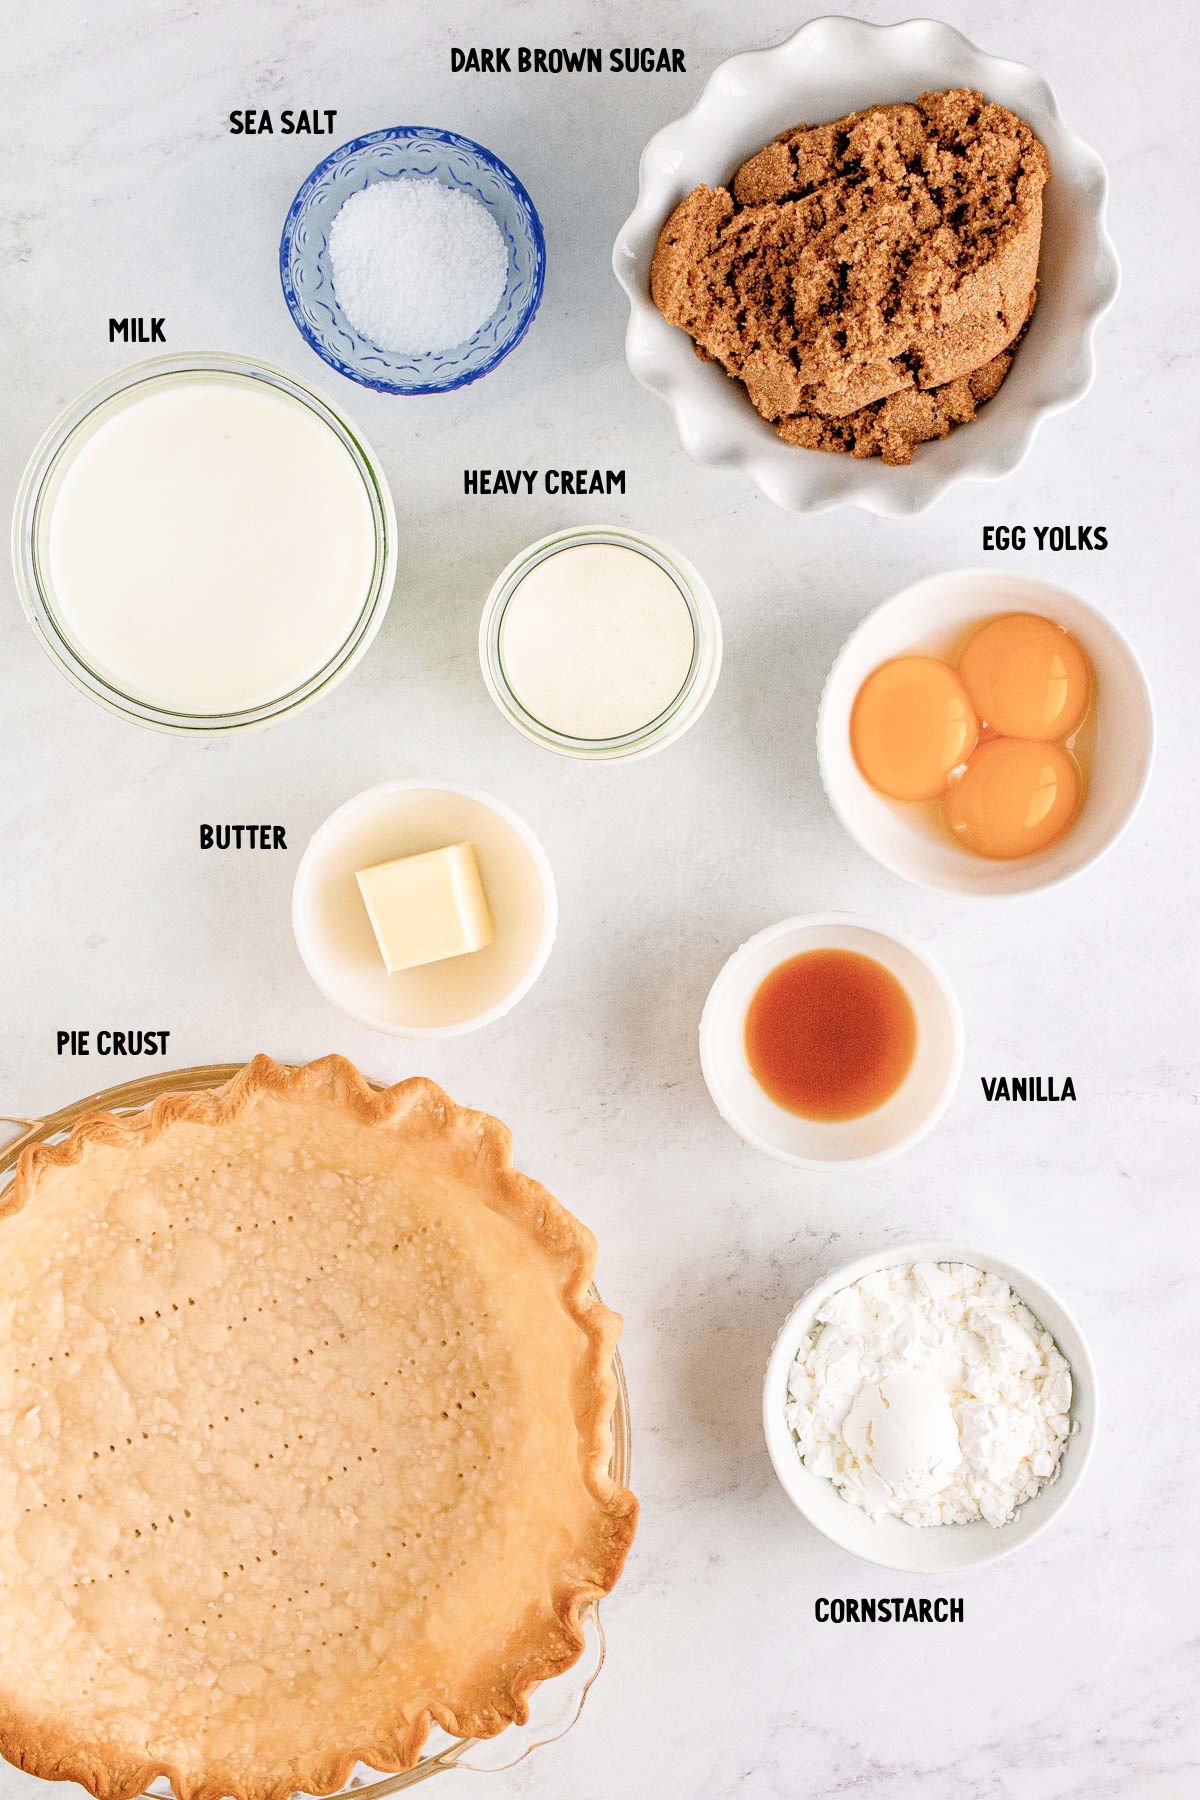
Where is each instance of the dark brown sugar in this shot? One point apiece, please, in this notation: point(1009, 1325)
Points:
point(865, 280)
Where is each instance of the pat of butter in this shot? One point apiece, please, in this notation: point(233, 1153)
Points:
point(426, 908)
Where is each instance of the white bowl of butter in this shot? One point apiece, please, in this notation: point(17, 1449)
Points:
point(355, 927)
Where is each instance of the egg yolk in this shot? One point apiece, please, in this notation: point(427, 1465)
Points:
point(1013, 798)
point(912, 723)
point(1026, 677)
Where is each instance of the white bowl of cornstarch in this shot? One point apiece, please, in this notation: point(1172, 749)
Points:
point(996, 1338)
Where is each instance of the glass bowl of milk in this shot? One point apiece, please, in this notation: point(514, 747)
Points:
point(203, 544)
point(600, 643)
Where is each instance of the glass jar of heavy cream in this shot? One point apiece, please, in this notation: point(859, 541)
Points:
point(204, 544)
point(600, 643)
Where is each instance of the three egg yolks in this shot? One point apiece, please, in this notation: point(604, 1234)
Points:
point(986, 737)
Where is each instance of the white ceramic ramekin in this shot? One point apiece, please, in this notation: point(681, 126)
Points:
point(830, 67)
point(940, 610)
point(900, 1122)
point(443, 999)
point(936, 1549)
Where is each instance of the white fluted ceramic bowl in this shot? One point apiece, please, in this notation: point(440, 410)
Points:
point(830, 67)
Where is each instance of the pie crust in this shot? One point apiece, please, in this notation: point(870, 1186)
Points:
point(305, 1428)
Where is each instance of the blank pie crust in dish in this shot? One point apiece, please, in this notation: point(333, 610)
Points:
point(305, 1429)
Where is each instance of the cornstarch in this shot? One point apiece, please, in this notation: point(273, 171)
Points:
point(930, 1392)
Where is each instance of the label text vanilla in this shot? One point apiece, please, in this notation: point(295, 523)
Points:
point(1026, 1087)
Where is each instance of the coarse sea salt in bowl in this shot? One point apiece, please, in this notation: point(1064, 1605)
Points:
point(937, 1550)
point(424, 153)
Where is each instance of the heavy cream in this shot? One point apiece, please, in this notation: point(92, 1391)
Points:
point(211, 543)
point(596, 641)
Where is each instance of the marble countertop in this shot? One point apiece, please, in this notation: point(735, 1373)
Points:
point(1075, 1670)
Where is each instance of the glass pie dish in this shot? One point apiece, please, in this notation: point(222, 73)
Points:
point(556, 1703)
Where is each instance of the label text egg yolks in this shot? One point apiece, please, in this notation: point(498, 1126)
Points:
point(1013, 798)
point(911, 725)
point(1026, 677)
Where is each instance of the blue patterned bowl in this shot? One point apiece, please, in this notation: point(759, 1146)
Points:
point(308, 284)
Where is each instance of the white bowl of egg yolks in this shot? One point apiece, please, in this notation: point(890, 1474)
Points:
point(1112, 749)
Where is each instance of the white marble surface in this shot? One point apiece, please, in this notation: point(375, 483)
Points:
point(1075, 1672)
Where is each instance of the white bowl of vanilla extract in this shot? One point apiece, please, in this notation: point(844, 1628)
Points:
point(831, 1042)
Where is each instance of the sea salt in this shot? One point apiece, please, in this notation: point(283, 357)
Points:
point(417, 266)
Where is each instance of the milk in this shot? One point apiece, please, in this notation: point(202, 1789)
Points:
point(210, 544)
